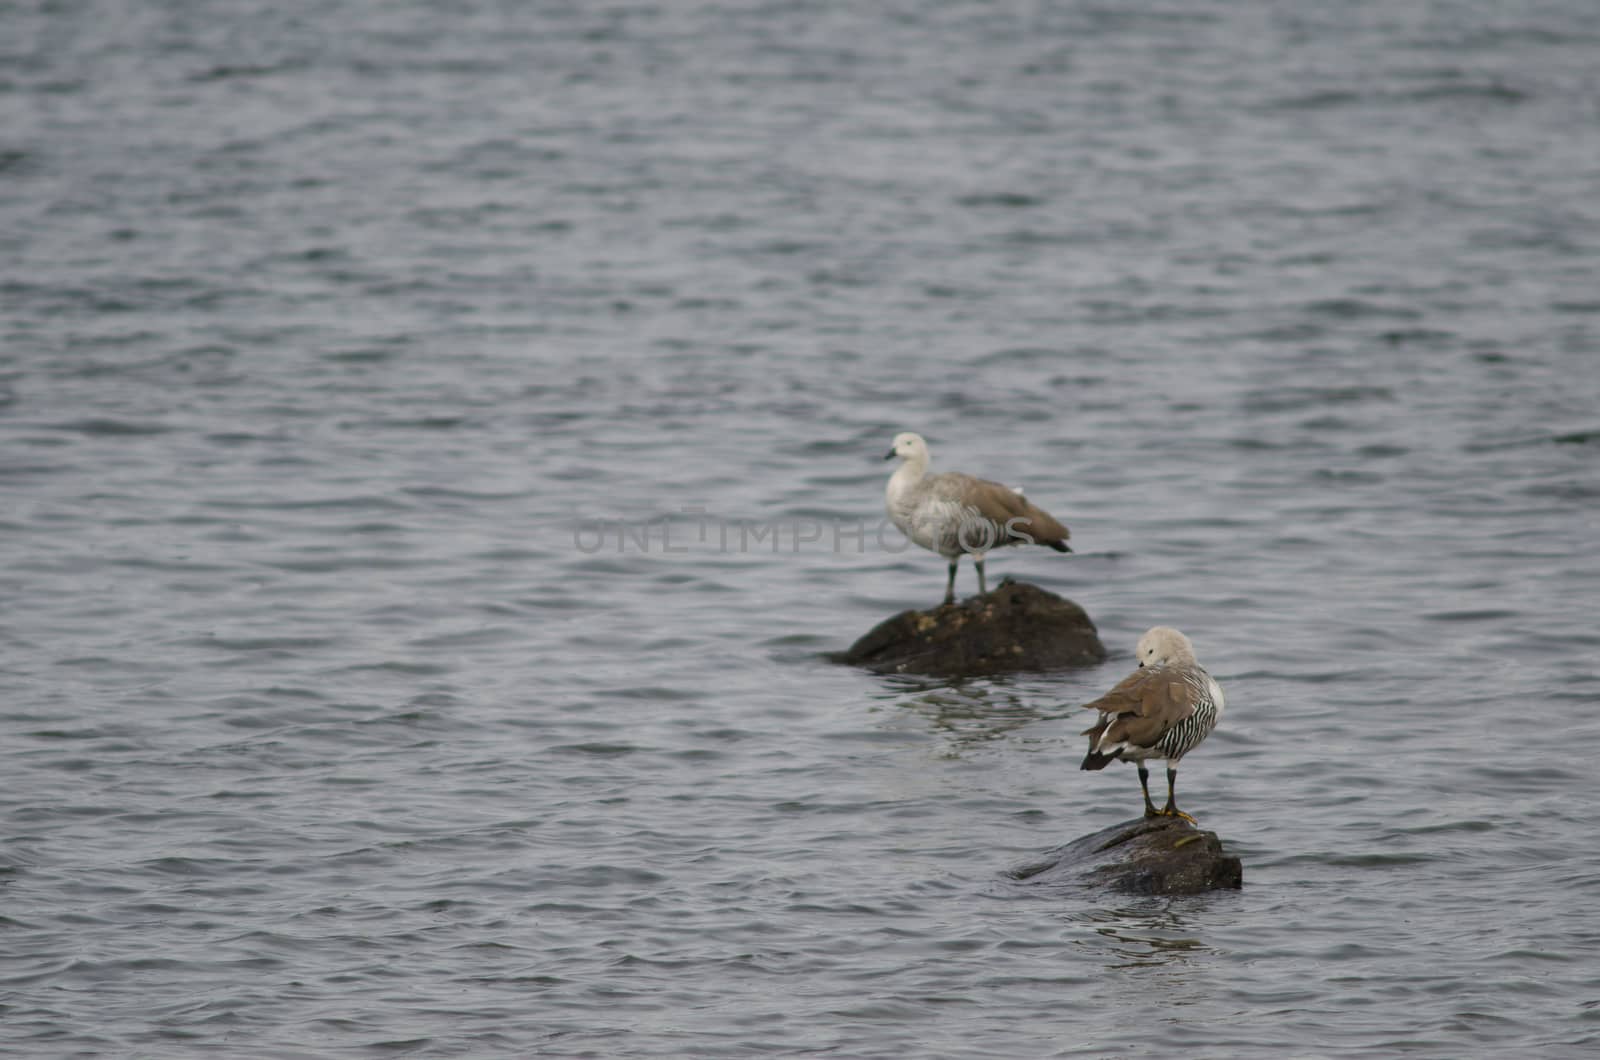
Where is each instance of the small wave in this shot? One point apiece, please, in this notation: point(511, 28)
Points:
point(1583, 436)
point(1326, 99)
point(1009, 200)
point(1339, 98)
point(598, 749)
point(239, 71)
point(1490, 93)
point(1481, 615)
point(1358, 861)
point(274, 644)
point(113, 428)
point(1359, 309)
point(1291, 399)
point(1448, 826)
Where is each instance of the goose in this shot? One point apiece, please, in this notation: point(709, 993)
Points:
point(1161, 710)
point(952, 513)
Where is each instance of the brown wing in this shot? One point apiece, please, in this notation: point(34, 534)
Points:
point(1001, 504)
point(1143, 706)
point(1037, 523)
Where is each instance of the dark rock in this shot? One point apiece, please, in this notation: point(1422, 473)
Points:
point(1148, 855)
point(1016, 627)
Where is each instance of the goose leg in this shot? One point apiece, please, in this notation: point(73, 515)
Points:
point(1171, 808)
point(977, 561)
point(1144, 786)
point(950, 586)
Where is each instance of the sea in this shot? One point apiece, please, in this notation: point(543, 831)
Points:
point(441, 444)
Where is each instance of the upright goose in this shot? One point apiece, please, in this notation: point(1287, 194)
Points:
point(1161, 710)
point(952, 513)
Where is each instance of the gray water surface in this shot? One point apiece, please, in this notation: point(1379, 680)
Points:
point(369, 374)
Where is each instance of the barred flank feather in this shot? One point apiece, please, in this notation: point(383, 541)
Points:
point(1187, 734)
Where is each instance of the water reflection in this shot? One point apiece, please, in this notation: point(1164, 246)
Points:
point(1154, 932)
point(972, 714)
point(1156, 949)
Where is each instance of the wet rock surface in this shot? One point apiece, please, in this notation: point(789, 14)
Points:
point(1016, 627)
point(1147, 855)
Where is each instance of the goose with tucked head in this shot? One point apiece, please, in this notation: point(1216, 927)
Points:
point(1161, 710)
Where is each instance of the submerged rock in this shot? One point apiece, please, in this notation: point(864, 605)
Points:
point(1018, 626)
point(1148, 855)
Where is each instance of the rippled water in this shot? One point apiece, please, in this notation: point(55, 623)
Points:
point(369, 374)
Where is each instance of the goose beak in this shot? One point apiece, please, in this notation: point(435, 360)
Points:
point(889, 455)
